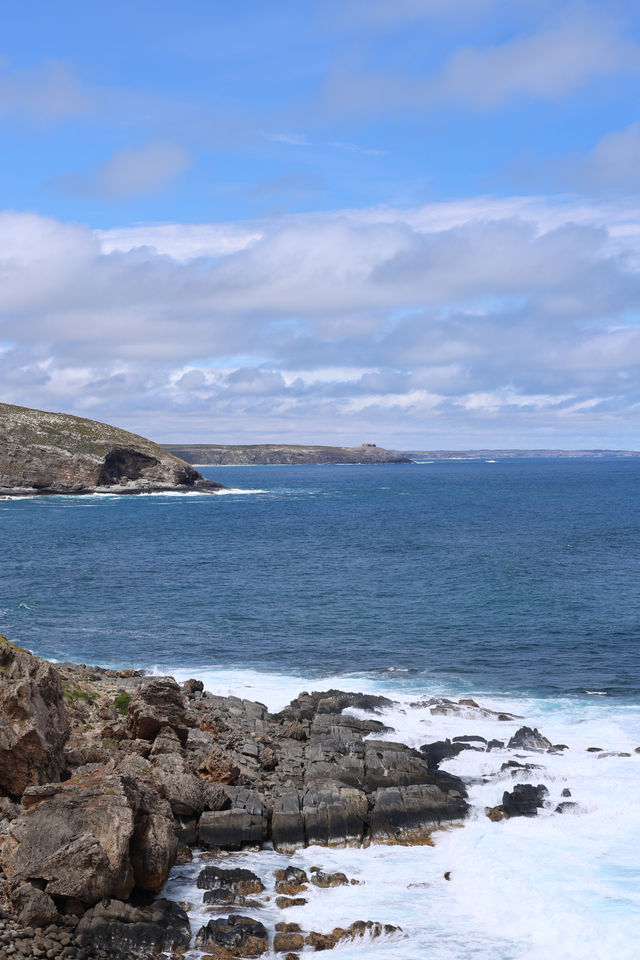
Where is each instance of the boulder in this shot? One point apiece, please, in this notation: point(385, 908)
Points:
point(157, 704)
point(91, 838)
point(291, 881)
point(34, 907)
point(235, 936)
point(127, 931)
point(525, 800)
point(527, 738)
point(440, 750)
point(33, 722)
point(238, 880)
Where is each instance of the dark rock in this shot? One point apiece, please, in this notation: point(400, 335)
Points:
point(470, 739)
point(157, 704)
point(566, 792)
point(234, 936)
point(495, 745)
point(122, 930)
point(524, 800)
point(527, 738)
point(334, 815)
point(244, 824)
point(440, 750)
point(565, 806)
point(408, 815)
point(193, 686)
point(238, 880)
point(515, 768)
point(285, 902)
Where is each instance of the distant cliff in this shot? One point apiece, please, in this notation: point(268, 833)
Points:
point(57, 453)
point(274, 453)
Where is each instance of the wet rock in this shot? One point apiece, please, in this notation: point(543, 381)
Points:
point(470, 739)
point(524, 800)
point(527, 738)
point(126, 931)
point(157, 704)
point(495, 814)
point(408, 815)
point(334, 815)
point(193, 686)
point(288, 936)
point(235, 936)
point(566, 792)
point(244, 824)
point(238, 880)
point(440, 750)
point(285, 902)
point(613, 753)
point(33, 723)
point(566, 806)
point(516, 768)
point(291, 881)
point(594, 749)
point(495, 745)
point(322, 879)
point(327, 941)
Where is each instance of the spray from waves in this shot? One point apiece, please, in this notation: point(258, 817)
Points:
point(565, 885)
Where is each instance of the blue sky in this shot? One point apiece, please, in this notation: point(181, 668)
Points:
point(415, 222)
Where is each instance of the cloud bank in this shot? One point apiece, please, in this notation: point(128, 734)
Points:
point(508, 322)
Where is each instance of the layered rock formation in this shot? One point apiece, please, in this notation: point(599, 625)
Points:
point(57, 453)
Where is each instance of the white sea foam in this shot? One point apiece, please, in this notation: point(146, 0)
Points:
point(559, 885)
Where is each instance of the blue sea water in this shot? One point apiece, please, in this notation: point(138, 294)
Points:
point(513, 582)
point(515, 576)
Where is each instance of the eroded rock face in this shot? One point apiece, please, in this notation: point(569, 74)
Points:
point(91, 838)
point(126, 931)
point(158, 704)
point(33, 724)
point(44, 452)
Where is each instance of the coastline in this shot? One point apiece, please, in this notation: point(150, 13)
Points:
point(226, 777)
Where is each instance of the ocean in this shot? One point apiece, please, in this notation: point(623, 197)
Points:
point(514, 582)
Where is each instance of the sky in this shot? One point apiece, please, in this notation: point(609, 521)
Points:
point(408, 222)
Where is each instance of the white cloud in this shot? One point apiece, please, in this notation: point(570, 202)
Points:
point(480, 316)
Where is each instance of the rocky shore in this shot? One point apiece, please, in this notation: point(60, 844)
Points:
point(110, 778)
point(48, 453)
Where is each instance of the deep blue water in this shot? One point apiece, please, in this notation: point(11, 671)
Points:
point(517, 576)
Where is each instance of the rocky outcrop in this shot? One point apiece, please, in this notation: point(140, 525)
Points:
point(34, 727)
point(125, 931)
point(44, 452)
point(90, 838)
point(234, 936)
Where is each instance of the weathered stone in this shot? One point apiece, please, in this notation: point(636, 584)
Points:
point(527, 738)
point(33, 723)
point(408, 815)
point(291, 881)
point(34, 907)
point(219, 768)
point(125, 931)
point(322, 879)
point(237, 879)
point(243, 825)
point(334, 815)
point(91, 837)
point(157, 704)
point(234, 936)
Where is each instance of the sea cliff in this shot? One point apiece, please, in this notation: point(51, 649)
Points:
point(46, 453)
point(282, 453)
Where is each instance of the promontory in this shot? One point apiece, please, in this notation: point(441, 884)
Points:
point(47, 453)
point(282, 453)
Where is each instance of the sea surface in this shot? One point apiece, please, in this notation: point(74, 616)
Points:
point(514, 582)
